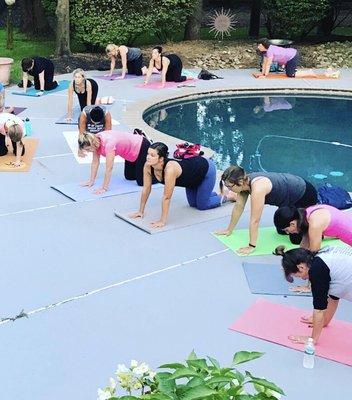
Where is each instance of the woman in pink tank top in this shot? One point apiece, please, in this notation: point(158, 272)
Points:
point(314, 223)
point(132, 147)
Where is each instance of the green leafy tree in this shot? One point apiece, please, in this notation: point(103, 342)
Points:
point(292, 18)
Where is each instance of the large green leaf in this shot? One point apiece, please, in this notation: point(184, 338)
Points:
point(264, 383)
point(199, 363)
point(172, 366)
point(214, 362)
point(199, 392)
point(183, 373)
point(245, 356)
point(195, 381)
point(216, 380)
point(165, 384)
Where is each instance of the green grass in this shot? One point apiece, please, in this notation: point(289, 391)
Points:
point(23, 47)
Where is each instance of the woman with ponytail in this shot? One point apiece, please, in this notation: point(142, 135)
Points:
point(12, 127)
point(329, 272)
point(276, 189)
point(196, 174)
point(132, 147)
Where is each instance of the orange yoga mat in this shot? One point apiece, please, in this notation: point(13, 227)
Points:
point(30, 145)
point(284, 76)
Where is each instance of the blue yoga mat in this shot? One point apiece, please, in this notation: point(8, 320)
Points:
point(34, 93)
point(75, 115)
point(117, 186)
point(269, 279)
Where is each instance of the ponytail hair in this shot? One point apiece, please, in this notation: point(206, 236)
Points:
point(161, 149)
point(285, 215)
point(158, 48)
point(292, 258)
point(79, 71)
point(235, 174)
point(87, 140)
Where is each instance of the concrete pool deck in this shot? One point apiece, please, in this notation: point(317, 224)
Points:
point(170, 293)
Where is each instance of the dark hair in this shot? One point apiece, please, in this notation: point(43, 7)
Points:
point(96, 114)
point(159, 48)
point(284, 215)
point(161, 149)
point(264, 42)
point(26, 64)
point(234, 175)
point(292, 258)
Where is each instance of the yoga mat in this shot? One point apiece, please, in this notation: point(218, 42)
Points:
point(275, 322)
point(268, 240)
point(34, 93)
point(117, 186)
point(157, 85)
point(284, 76)
point(114, 77)
point(71, 139)
point(180, 216)
point(30, 146)
point(269, 279)
point(18, 110)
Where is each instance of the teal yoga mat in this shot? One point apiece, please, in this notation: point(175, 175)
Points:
point(34, 93)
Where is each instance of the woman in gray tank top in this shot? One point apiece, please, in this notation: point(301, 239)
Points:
point(276, 189)
point(330, 273)
point(131, 60)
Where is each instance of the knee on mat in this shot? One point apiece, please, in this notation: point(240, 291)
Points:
point(202, 206)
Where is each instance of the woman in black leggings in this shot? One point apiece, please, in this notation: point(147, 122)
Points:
point(42, 70)
point(170, 67)
point(85, 89)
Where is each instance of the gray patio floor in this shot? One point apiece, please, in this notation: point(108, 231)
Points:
point(55, 249)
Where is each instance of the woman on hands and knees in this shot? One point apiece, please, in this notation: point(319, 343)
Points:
point(11, 134)
point(277, 189)
point(109, 144)
point(330, 274)
point(170, 67)
point(197, 175)
point(131, 60)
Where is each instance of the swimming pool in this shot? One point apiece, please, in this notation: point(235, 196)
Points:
point(305, 135)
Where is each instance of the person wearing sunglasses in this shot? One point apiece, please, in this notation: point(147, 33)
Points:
point(276, 189)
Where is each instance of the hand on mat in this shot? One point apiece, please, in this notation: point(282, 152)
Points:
point(298, 338)
point(87, 184)
point(120, 77)
point(245, 250)
point(307, 319)
point(137, 214)
point(100, 190)
point(81, 153)
point(225, 232)
point(157, 224)
point(15, 164)
point(301, 289)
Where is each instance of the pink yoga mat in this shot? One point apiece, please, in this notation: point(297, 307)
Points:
point(114, 77)
point(156, 85)
point(275, 322)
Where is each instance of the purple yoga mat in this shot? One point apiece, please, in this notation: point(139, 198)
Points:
point(18, 110)
point(156, 85)
point(114, 77)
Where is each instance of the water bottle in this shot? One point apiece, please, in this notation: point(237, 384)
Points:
point(28, 126)
point(309, 352)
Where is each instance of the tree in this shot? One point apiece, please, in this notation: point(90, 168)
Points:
point(63, 28)
point(194, 22)
point(254, 22)
point(33, 18)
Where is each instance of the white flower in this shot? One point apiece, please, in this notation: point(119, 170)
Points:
point(152, 375)
point(103, 394)
point(112, 383)
point(121, 368)
point(141, 369)
point(134, 363)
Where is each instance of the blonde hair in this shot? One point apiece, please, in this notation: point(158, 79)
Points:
point(79, 71)
point(87, 139)
point(15, 132)
point(112, 48)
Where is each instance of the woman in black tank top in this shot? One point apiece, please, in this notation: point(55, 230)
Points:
point(264, 188)
point(197, 175)
point(170, 67)
point(86, 90)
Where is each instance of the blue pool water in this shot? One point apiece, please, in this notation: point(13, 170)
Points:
point(307, 136)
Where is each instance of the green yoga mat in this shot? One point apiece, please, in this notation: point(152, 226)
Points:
point(268, 240)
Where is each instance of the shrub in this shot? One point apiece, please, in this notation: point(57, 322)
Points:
point(294, 19)
point(98, 22)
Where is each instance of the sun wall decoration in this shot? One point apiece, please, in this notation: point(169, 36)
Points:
point(222, 23)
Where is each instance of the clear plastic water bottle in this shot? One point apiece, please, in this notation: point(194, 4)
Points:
point(309, 353)
point(28, 126)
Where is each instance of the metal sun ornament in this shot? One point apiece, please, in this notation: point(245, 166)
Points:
point(222, 22)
